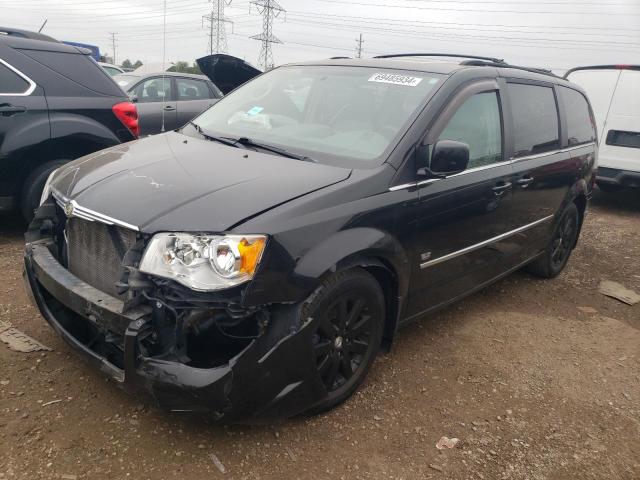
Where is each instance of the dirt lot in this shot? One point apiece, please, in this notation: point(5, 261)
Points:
point(534, 384)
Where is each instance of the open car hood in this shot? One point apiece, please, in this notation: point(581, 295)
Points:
point(174, 182)
point(226, 72)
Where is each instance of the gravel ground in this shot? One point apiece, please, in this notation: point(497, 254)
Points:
point(538, 380)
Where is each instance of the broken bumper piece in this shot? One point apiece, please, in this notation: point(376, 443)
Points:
point(273, 376)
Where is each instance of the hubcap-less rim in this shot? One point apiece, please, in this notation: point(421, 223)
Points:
point(343, 339)
point(562, 241)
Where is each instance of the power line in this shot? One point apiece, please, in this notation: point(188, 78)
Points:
point(217, 26)
point(359, 43)
point(269, 9)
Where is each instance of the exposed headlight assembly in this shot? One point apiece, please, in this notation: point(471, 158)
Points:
point(204, 262)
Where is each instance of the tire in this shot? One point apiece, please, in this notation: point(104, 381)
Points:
point(562, 241)
point(33, 185)
point(349, 309)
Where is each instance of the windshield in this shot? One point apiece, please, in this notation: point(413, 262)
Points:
point(347, 116)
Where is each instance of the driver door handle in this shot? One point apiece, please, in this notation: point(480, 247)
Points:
point(501, 188)
point(169, 108)
point(525, 181)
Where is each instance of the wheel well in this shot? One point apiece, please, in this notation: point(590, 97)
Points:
point(387, 278)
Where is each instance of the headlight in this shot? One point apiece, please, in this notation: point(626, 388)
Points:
point(204, 262)
point(46, 191)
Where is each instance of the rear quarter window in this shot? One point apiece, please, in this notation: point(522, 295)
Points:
point(78, 68)
point(535, 119)
point(11, 82)
point(580, 124)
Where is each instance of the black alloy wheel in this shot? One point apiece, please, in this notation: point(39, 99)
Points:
point(349, 310)
point(559, 248)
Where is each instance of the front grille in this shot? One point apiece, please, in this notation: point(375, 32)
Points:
point(95, 252)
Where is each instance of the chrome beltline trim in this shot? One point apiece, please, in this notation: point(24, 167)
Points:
point(88, 214)
point(492, 165)
point(477, 246)
point(28, 91)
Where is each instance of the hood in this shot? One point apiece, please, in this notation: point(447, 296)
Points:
point(174, 182)
point(226, 72)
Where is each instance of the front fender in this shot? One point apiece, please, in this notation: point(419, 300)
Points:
point(296, 280)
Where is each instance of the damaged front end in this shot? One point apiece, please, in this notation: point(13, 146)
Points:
point(187, 350)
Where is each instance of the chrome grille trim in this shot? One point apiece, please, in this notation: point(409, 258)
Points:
point(88, 214)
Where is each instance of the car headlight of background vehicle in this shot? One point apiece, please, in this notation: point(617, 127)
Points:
point(204, 262)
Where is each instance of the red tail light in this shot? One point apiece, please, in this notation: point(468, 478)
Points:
point(127, 113)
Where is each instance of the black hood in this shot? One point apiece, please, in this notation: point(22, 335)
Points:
point(174, 182)
point(226, 72)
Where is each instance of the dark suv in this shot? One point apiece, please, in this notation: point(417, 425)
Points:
point(253, 263)
point(56, 104)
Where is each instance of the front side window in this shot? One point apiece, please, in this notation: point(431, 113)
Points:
point(477, 123)
point(11, 83)
point(341, 115)
point(580, 125)
point(535, 119)
point(190, 89)
point(153, 90)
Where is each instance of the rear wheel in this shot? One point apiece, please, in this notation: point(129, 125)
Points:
point(349, 313)
point(33, 185)
point(557, 253)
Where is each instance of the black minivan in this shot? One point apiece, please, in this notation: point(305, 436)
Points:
point(253, 263)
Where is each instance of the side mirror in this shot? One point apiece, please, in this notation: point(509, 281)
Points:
point(133, 98)
point(449, 157)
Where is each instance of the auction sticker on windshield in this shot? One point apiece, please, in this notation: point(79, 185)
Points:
point(395, 79)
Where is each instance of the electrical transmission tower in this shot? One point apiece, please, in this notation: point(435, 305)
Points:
point(359, 42)
point(217, 28)
point(269, 9)
point(113, 45)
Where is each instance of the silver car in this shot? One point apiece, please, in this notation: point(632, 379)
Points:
point(167, 100)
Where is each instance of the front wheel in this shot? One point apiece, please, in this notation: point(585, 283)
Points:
point(563, 239)
point(349, 313)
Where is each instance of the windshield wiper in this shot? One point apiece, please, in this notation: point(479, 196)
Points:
point(226, 141)
point(247, 142)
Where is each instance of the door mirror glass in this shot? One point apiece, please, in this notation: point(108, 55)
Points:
point(449, 157)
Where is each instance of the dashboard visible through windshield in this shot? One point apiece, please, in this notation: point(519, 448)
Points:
point(332, 114)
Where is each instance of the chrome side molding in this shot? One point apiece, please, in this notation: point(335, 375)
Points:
point(482, 244)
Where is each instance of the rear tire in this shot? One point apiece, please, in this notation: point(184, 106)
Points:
point(33, 185)
point(349, 309)
point(558, 251)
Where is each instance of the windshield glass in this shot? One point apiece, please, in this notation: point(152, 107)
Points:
point(339, 115)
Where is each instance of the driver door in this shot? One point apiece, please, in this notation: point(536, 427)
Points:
point(457, 244)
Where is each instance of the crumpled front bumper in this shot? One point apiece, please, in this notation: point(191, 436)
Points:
point(274, 376)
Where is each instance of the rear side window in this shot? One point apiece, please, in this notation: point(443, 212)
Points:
point(78, 68)
point(580, 127)
point(620, 138)
point(190, 89)
point(11, 83)
point(535, 119)
point(153, 90)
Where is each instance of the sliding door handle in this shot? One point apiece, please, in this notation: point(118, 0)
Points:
point(501, 188)
point(524, 182)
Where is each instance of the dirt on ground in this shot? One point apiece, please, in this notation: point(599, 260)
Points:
point(538, 380)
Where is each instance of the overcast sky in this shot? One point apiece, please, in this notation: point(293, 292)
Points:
point(555, 34)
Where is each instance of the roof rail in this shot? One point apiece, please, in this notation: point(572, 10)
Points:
point(453, 55)
point(476, 63)
point(14, 32)
point(603, 67)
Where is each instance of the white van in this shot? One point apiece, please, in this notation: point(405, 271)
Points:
point(614, 92)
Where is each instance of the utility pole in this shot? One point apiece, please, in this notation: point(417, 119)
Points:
point(217, 28)
point(113, 45)
point(359, 42)
point(269, 9)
